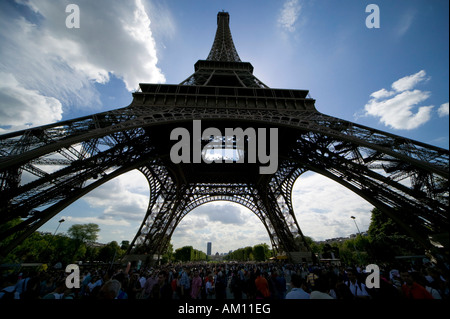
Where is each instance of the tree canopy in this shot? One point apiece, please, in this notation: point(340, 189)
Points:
point(384, 240)
point(84, 232)
point(65, 248)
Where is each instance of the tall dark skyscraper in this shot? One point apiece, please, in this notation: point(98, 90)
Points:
point(208, 248)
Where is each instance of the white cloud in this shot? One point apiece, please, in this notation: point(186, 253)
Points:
point(210, 223)
point(29, 4)
point(125, 197)
point(118, 207)
point(409, 82)
point(396, 108)
point(163, 22)
point(97, 220)
point(114, 37)
point(53, 61)
point(18, 105)
point(323, 208)
point(225, 214)
point(396, 112)
point(289, 15)
point(382, 94)
point(404, 23)
point(443, 110)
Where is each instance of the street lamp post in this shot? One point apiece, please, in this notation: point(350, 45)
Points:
point(354, 246)
point(354, 219)
point(62, 220)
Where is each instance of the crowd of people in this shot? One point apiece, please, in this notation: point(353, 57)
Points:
point(251, 281)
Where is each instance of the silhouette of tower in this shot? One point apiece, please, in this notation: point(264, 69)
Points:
point(405, 179)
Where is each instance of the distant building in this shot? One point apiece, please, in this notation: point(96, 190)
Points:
point(208, 249)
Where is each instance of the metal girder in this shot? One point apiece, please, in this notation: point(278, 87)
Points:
point(357, 148)
point(418, 154)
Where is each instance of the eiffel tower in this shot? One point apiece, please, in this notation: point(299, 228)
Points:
point(405, 179)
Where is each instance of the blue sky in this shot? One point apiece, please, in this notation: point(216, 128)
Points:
point(394, 78)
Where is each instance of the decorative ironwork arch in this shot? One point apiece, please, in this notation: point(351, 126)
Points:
point(245, 202)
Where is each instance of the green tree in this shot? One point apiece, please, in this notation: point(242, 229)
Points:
point(63, 247)
point(168, 256)
point(125, 244)
point(388, 239)
point(110, 251)
point(35, 248)
point(12, 256)
point(91, 253)
point(261, 252)
point(248, 253)
point(184, 253)
point(84, 232)
point(329, 251)
point(198, 255)
point(315, 248)
point(188, 253)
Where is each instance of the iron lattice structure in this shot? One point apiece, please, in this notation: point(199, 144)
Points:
point(405, 179)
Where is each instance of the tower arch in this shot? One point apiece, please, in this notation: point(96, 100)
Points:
point(223, 218)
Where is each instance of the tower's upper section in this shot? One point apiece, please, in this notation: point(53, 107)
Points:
point(223, 80)
point(223, 67)
point(223, 47)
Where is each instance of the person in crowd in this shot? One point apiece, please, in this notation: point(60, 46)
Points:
point(411, 289)
point(221, 285)
point(280, 284)
point(185, 284)
point(58, 293)
point(134, 287)
point(394, 276)
point(437, 283)
point(262, 286)
point(149, 283)
point(209, 287)
point(357, 288)
point(298, 285)
point(311, 279)
point(250, 286)
point(236, 285)
point(175, 285)
point(162, 289)
point(110, 290)
point(321, 289)
point(196, 285)
point(8, 292)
